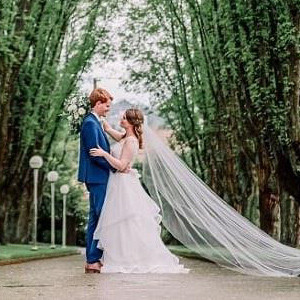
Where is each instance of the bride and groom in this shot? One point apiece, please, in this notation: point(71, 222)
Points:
point(123, 232)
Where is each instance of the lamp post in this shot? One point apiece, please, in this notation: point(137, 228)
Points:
point(35, 163)
point(64, 189)
point(52, 177)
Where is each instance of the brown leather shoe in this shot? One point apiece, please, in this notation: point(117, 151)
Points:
point(91, 271)
point(93, 268)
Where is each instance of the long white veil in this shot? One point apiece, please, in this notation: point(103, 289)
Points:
point(205, 223)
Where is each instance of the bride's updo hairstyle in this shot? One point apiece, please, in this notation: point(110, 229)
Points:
point(135, 117)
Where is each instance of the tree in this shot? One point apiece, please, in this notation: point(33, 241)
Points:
point(225, 75)
point(45, 47)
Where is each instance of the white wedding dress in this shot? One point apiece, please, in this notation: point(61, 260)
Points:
point(129, 226)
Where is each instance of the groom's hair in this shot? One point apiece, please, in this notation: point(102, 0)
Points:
point(101, 95)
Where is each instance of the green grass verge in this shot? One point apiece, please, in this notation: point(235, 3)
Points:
point(183, 251)
point(203, 253)
point(15, 253)
point(206, 253)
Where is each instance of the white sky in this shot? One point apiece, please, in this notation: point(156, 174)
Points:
point(111, 74)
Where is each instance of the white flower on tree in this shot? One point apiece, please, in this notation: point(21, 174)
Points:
point(76, 107)
point(72, 107)
point(81, 111)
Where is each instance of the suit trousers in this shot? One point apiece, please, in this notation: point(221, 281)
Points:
point(97, 197)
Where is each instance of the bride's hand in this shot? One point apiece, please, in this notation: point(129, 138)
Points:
point(106, 126)
point(97, 151)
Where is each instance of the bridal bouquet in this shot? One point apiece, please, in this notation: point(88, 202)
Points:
point(75, 108)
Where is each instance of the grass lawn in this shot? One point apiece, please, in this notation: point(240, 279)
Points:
point(203, 252)
point(14, 253)
point(206, 253)
point(183, 251)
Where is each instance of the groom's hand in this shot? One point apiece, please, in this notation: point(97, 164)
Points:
point(97, 152)
point(125, 170)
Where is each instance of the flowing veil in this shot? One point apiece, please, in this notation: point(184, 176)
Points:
point(205, 223)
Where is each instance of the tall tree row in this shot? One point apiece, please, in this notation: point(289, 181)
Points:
point(44, 48)
point(226, 76)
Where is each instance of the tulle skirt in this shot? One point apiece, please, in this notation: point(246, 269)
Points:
point(129, 232)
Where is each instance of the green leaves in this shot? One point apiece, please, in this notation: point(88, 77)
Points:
point(44, 48)
point(226, 70)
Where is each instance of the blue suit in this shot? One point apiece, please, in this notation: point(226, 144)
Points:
point(94, 172)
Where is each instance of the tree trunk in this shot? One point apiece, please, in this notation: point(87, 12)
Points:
point(297, 225)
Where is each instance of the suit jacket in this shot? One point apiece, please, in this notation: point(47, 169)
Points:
point(93, 169)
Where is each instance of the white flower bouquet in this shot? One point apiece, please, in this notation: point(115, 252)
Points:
point(75, 108)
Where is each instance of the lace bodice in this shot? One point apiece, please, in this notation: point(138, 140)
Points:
point(127, 148)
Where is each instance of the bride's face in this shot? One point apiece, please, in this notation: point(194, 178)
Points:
point(124, 123)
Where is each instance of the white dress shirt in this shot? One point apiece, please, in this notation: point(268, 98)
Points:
point(98, 118)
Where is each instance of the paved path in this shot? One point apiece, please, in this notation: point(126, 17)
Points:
point(63, 278)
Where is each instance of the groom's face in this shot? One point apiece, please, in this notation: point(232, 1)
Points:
point(102, 109)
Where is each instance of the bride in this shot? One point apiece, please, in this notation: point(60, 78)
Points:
point(128, 229)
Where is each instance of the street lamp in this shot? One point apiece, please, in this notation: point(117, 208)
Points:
point(52, 177)
point(35, 163)
point(64, 189)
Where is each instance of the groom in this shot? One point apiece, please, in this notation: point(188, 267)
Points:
point(94, 171)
